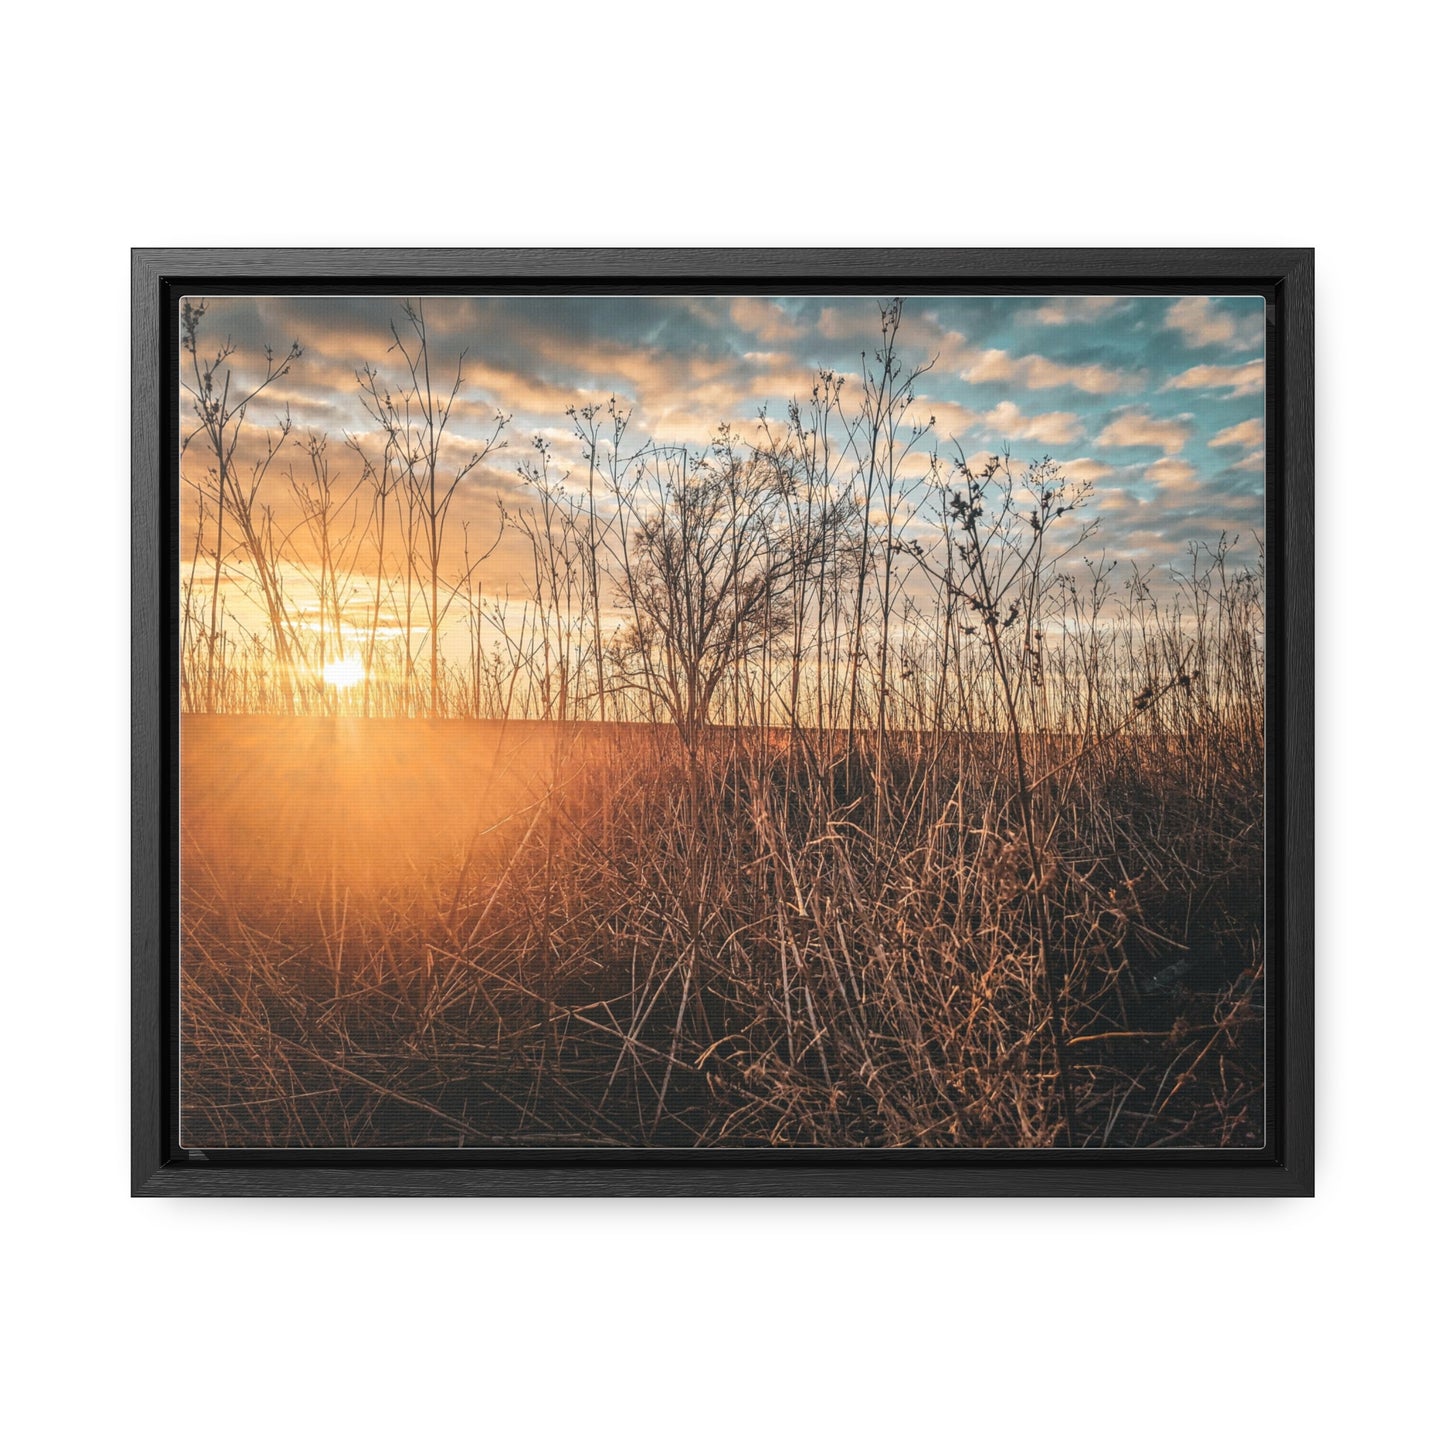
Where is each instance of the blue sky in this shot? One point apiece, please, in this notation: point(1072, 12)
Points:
point(1157, 401)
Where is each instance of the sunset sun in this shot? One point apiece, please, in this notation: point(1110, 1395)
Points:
point(344, 672)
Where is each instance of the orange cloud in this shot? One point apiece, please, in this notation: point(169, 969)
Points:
point(1248, 433)
point(1064, 310)
point(1054, 428)
point(950, 420)
point(1086, 469)
point(1139, 429)
point(764, 319)
point(1201, 323)
point(1244, 380)
point(1174, 474)
point(1038, 373)
point(854, 323)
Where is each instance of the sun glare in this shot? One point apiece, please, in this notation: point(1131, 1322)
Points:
point(344, 672)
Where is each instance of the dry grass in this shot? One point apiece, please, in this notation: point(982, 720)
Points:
point(402, 933)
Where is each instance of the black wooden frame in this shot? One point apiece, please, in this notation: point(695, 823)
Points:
point(1284, 277)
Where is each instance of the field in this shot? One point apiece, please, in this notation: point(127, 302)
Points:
point(460, 933)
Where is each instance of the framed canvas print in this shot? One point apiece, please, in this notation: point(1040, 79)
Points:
point(722, 721)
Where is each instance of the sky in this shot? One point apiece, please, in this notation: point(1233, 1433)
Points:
point(1158, 402)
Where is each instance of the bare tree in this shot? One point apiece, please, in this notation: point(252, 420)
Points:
point(708, 571)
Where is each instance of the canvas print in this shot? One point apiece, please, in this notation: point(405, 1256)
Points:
point(721, 721)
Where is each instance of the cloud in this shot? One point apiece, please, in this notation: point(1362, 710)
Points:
point(1054, 428)
point(1086, 469)
point(1139, 429)
point(1095, 379)
point(1038, 373)
point(1248, 433)
point(696, 430)
point(764, 318)
point(978, 462)
point(1066, 310)
point(683, 364)
point(514, 392)
point(950, 347)
point(849, 323)
point(1201, 322)
point(1244, 380)
point(950, 420)
point(1174, 474)
point(991, 366)
point(1245, 476)
point(774, 375)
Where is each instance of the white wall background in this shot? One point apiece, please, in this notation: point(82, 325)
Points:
point(743, 124)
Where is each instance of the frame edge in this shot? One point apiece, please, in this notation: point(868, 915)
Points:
point(155, 1174)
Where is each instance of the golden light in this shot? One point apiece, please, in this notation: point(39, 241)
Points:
point(344, 672)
